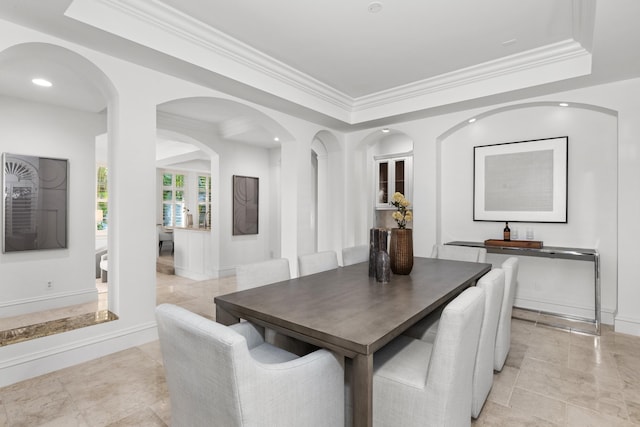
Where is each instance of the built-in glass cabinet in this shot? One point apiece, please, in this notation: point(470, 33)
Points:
point(393, 174)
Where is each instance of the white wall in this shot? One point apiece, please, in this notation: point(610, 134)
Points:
point(604, 203)
point(132, 132)
point(134, 93)
point(241, 159)
point(557, 286)
point(45, 131)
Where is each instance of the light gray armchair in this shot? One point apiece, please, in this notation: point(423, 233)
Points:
point(317, 262)
point(228, 376)
point(355, 254)
point(503, 336)
point(417, 383)
point(459, 253)
point(262, 273)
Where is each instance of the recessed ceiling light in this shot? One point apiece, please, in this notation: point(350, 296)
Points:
point(563, 104)
point(41, 82)
point(276, 139)
point(374, 7)
point(472, 120)
point(385, 130)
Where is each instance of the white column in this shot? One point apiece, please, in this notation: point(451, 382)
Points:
point(132, 203)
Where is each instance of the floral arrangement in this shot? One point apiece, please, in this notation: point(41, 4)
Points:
point(402, 215)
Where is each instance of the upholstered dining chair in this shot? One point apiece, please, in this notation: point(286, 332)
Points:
point(493, 285)
point(262, 273)
point(164, 236)
point(228, 376)
point(317, 262)
point(428, 329)
point(416, 383)
point(459, 253)
point(355, 254)
point(503, 336)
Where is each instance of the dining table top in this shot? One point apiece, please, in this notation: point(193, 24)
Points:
point(347, 311)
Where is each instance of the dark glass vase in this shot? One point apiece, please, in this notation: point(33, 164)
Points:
point(383, 261)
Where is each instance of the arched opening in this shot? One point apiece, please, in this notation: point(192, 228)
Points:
point(386, 158)
point(70, 113)
point(238, 141)
point(592, 183)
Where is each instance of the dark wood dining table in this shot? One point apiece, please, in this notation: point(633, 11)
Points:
point(346, 311)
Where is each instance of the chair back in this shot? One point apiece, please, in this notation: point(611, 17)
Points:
point(503, 336)
point(164, 235)
point(262, 273)
point(228, 376)
point(355, 255)
point(459, 253)
point(493, 285)
point(201, 361)
point(317, 262)
point(450, 370)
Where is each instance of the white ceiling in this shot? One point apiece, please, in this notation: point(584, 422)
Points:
point(334, 62)
point(345, 46)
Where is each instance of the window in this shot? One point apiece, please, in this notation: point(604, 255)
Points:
point(204, 201)
point(173, 199)
point(393, 174)
point(102, 199)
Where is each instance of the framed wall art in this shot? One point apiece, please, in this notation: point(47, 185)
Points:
point(521, 181)
point(35, 205)
point(245, 205)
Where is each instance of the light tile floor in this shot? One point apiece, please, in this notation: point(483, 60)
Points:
point(551, 378)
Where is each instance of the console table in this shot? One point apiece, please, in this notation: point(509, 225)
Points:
point(578, 254)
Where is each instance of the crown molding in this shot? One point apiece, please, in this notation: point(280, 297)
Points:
point(562, 51)
point(156, 25)
point(191, 30)
point(172, 121)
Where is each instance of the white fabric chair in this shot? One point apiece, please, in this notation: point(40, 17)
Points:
point(459, 253)
point(428, 328)
point(355, 255)
point(164, 236)
point(228, 376)
point(262, 273)
point(493, 285)
point(503, 336)
point(99, 252)
point(104, 267)
point(317, 262)
point(416, 383)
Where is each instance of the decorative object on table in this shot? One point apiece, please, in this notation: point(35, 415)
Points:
point(373, 243)
point(189, 218)
point(383, 261)
point(401, 251)
point(507, 232)
point(245, 205)
point(530, 244)
point(521, 181)
point(34, 214)
point(374, 248)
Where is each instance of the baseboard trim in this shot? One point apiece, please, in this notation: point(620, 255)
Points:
point(47, 302)
point(627, 325)
point(54, 358)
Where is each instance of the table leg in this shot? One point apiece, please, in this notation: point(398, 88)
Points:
point(362, 380)
point(224, 317)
